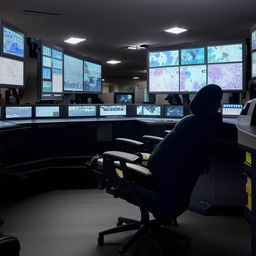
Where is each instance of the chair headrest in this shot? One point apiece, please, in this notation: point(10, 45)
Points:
point(207, 100)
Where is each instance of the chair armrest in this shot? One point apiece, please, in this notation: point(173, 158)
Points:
point(121, 156)
point(141, 170)
point(130, 142)
point(150, 138)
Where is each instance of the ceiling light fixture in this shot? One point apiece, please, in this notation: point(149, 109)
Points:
point(113, 62)
point(176, 30)
point(136, 78)
point(74, 40)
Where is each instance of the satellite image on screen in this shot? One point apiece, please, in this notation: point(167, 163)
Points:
point(227, 76)
point(192, 56)
point(253, 40)
point(47, 51)
point(56, 54)
point(164, 79)
point(254, 64)
point(231, 109)
point(18, 112)
point(47, 86)
point(124, 98)
point(81, 111)
point(225, 53)
point(73, 74)
point(165, 58)
point(47, 62)
point(11, 72)
point(174, 111)
point(113, 110)
point(47, 111)
point(148, 110)
point(92, 77)
point(57, 64)
point(192, 78)
point(47, 73)
point(13, 42)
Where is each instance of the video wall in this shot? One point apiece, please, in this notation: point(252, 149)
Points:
point(253, 52)
point(188, 70)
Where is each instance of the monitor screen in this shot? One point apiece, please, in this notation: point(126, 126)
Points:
point(228, 76)
point(124, 98)
point(192, 78)
point(47, 73)
point(47, 51)
point(174, 111)
point(73, 74)
point(92, 77)
point(225, 53)
point(11, 72)
point(47, 111)
point(253, 42)
point(57, 54)
point(80, 111)
point(253, 64)
point(164, 79)
point(148, 110)
point(13, 42)
point(113, 110)
point(192, 56)
point(231, 109)
point(18, 112)
point(164, 58)
point(47, 62)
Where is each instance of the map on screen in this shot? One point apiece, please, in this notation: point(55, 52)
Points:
point(253, 40)
point(192, 78)
point(47, 86)
point(47, 111)
point(47, 51)
point(81, 111)
point(47, 62)
point(165, 58)
point(11, 72)
point(225, 53)
point(113, 110)
point(164, 79)
point(92, 77)
point(57, 63)
point(47, 73)
point(254, 65)
point(227, 76)
point(148, 110)
point(13, 42)
point(174, 111)
point(73, 74)
point(18, 112)
point(124, 98)
point(192, 56)
point(56, 54)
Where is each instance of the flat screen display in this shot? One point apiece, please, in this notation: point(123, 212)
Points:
point(47, 73)
point(92, 77)
point(228, 76)
point(11, 72)
point(13, 42)
point(192, 78)
point(47, 62)
point(164, 79)
point(253, 42)
point(225, 53)
point(174, 111)
point(73, 74)
point(47, 111)
point(47, 86)
point(148, 110)
point(124, 98)
point(47, 51)
point(18, 112)
point(113, 110)
point(57, 54)
point(231, 109)
point(81, 111)
point(253, 64)
point(192, 56)
point(164, 58)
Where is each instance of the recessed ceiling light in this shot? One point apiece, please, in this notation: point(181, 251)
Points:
point(136, 77)
point(113, 62)
point(132, 47)
point(74, 40)
point(102, 79)
point(176, 30)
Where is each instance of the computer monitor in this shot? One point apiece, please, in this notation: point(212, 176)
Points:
point(192, 56)
point(123, 98)
point(47, 111)
point(163, 58)
point(113, 110)
point(18, 112)
point(82, 111)
point(231, 110)
point(92, 77)
point(148, 110)
point(254, 65)
point(73, 74)
point(174, 111)
point(253, 39)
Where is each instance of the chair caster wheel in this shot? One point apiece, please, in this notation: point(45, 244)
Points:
point(100, 240)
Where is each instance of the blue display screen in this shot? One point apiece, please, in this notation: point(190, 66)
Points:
point(165, 58)
point(192, 56)
point(174, 111)
point(56, 54)
point(18, 112)
point(92, 77)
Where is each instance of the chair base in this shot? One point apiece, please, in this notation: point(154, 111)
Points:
point(151, 227)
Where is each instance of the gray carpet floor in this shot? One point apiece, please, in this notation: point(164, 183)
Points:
point(66, 223)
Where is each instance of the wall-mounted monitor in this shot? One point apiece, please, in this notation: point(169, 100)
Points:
point(82, 111)
point(112, 110)
point(47, 111)
point(148, 110)
point(174, 111)
point(192, 56)
point(231, 110)
point(164, 58)
point(254, 64)
point(17, 112)
point(73, 74)
point(253, 39)
point(124, 98)
point(92, 77)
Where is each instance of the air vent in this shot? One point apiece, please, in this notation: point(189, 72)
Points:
point(38, 13)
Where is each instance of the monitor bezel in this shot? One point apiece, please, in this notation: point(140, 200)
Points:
point(116, 94)
point(252, 29)
point(233, 116)
point(48, 117)
point(72, 105)
point(17, 118)
point(99, 114)
point(165, 109)
point(149, 116)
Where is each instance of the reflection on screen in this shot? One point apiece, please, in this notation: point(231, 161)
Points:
point(165, 58)
point(227, 76)
point(124, 98)
point(231, 109)
point(174, 111)
point(47, 111)
point(113, 110)
point(253, 40)
point(92, 77)
point(11, 72)
point(148, 110)
point(13, 42)
point(18, 112)
point(81, 111)
point(73, 74)
point(225, 53)
point(192, 56)
point(253, 64)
